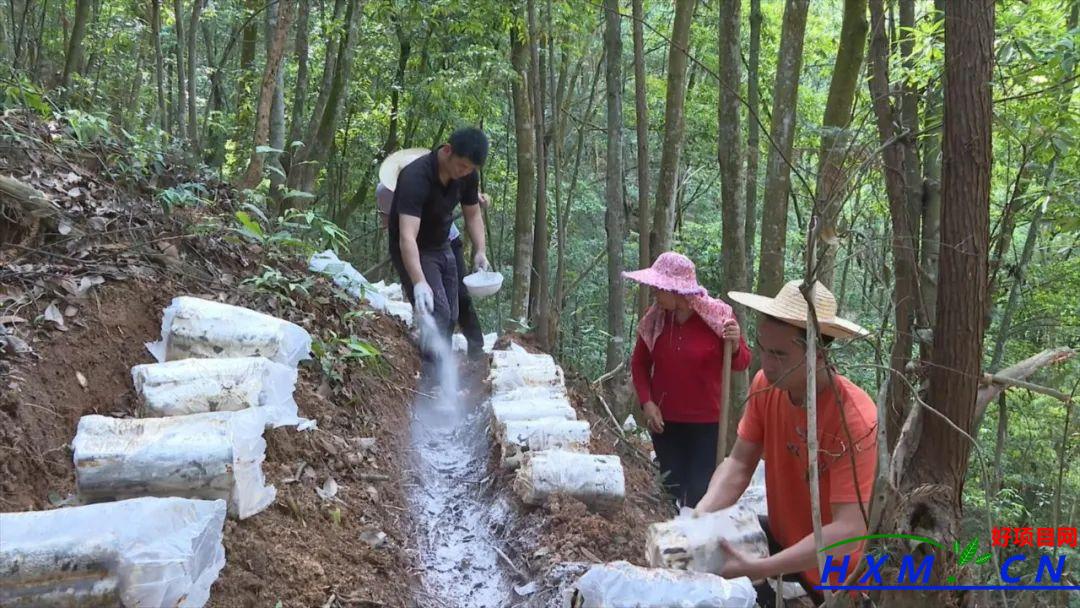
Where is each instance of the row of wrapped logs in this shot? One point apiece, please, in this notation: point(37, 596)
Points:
point(224, 374)
point(538, 434)
point(684, 557)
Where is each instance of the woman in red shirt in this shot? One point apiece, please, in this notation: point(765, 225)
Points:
point(677, 372)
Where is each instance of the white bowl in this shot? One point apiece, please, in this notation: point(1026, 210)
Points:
point(483, 283)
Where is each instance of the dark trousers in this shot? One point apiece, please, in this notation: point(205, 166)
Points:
point(687, 453)
point(441, 273)
point(467, 319)
point(765, 592)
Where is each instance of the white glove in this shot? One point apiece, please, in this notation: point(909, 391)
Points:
point(480, 262)
point(424, 298)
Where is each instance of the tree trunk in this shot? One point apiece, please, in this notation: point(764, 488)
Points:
point(310, 159)
point(753, 155)
point(730, 152)
point(300, 92)
point(540, 300)
point(905, 287)
point(181, 87)
point(73, 63)
point(835, 138)
point(277, 113)
point(641, 113)
point(614, 220)
point(192, 57)
point(159, 63)
point(932, 486)
point(674, 122)
point(931, 205)
point(253, 174)
point(782, 131)
point(909, 118)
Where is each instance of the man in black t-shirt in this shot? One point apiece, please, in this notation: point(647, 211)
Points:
point(428, 191)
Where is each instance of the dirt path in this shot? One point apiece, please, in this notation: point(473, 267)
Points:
point(458, 551)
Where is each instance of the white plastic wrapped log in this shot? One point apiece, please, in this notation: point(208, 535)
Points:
point(201, 329)
point(195, 386)
point(513, 358)
point(623, 585)
point(519, 437)
point(534, 409)
point(598, 481)
point(509, 378)
point(401, 310)
point(146, 552)
point(690, 543)
point(754, 497)
point(213, 456)
point(347, 277)
point(461, 345)
point(532, 392)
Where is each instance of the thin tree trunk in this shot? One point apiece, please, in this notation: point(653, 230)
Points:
point(300, 92)
point(540, 300)
point(181, 87)
point(931, 205)
point(525, 142)
point(192, 60)
point(159, 63)
point(613, 192)
point(905, 287)
point(933, 483)
point(391, 142)
point(641, 114)
point(310, 158)
point(909, 117)
point(777, 170)
point(753, 90)
point(674, 122)
point(730, 152)
point(275, 51)
point(277, 113)
point(73, 63)
point(326, 82)
point(835, 137)
point(564, 219)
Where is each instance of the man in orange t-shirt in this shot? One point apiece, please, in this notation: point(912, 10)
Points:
point(774, 426)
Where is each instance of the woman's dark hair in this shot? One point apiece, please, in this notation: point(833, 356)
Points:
point(471, 143)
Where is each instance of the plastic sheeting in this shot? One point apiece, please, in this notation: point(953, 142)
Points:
point(514, 358)
point(202, 329)
point(505, 379)
point(212, 456)
point(535, 409)
point(145, 552)
point(195, 386)
point(623, 585)
point(462, 345)
point(597, 481)
point(693, 543)
point(518, 437)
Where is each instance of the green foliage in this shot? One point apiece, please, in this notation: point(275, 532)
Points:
point(283, 287)
point(335, 353)
point(188, 194)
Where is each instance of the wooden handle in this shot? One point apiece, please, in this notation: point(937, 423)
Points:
point(725, 399)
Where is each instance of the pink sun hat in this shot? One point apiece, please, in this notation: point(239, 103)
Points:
point(670, 272)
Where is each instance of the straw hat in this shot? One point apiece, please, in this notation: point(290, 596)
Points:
point(790, 307)
point(670, 272)
point(389, 169)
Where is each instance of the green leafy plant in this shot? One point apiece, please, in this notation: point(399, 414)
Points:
point(274, 282)
point(188, 194)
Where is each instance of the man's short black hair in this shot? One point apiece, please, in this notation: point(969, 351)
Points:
point(471, 143)
point(823, 339)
